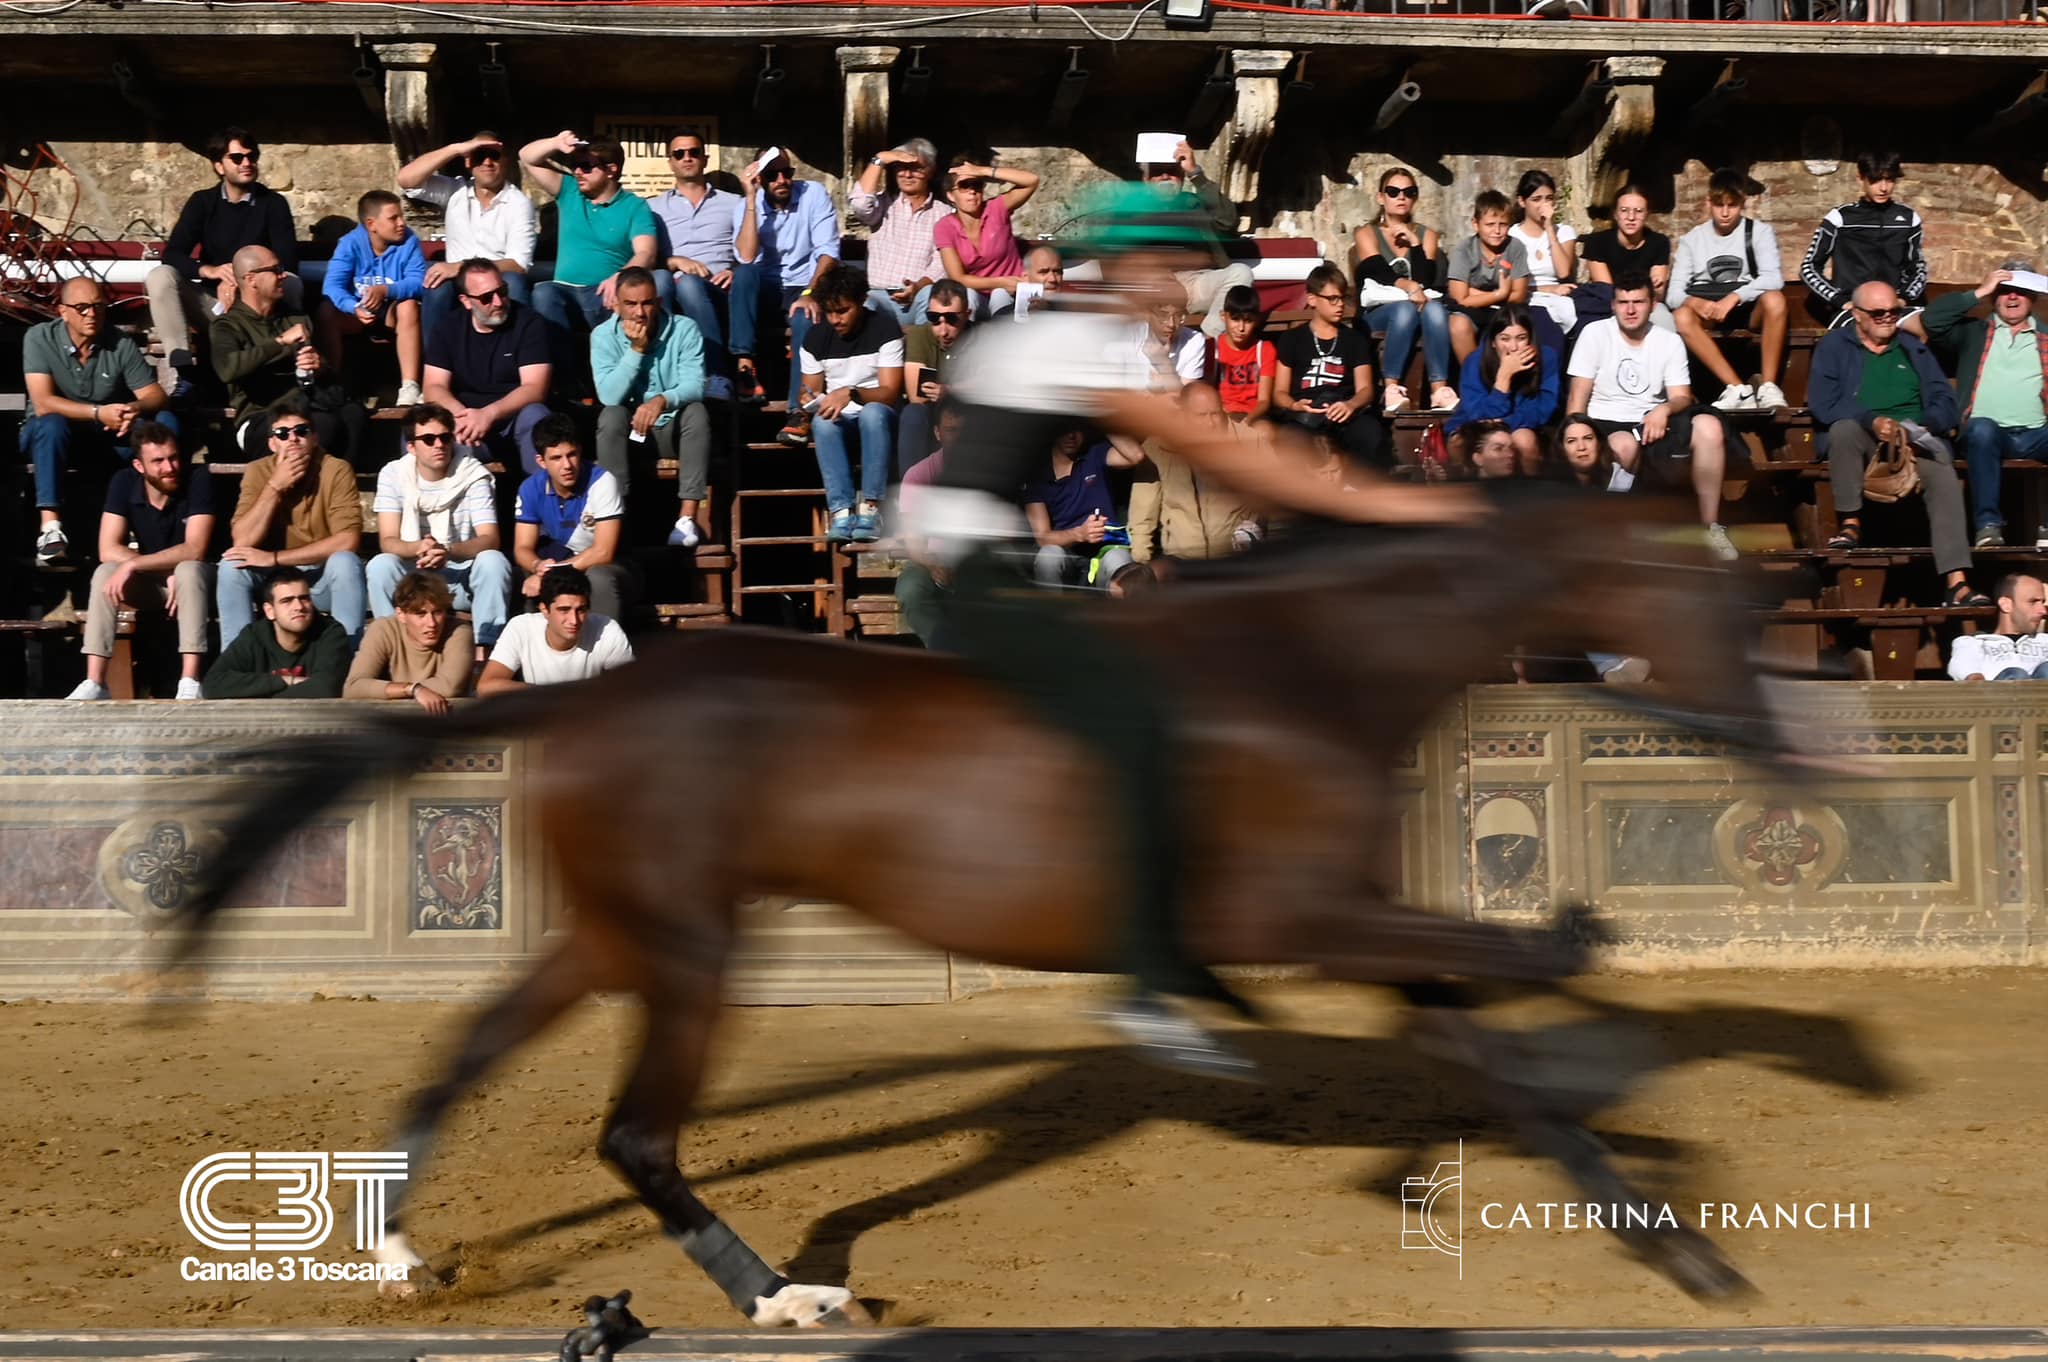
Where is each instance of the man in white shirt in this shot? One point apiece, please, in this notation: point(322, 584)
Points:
point(1631, 381)
point(564, 642)
point(2018, 651)
point(484, 216)
point(437, 513)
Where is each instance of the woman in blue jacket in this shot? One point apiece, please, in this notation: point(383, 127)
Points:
point(1513, 380)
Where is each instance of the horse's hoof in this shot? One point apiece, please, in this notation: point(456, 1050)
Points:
point(395, 1251)
point(852, 1315)
point(808, 1307)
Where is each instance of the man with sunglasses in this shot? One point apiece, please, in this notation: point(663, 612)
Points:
point(263, 350)
point(484, 217)
point(2001, 368)
point(298, 509)
point(928, 354)
point(489, 367)
point(700, 228)
point(1872, 385)
point(437, 512)
point(87, 385)
point(602, 228)
point(197, 281)
point(788, 242)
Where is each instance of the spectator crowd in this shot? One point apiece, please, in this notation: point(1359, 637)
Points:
point(1543, 353)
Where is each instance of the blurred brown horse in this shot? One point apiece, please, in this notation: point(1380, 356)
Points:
point(742, 763)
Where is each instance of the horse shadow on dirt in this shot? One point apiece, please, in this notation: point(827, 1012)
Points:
point(1315, 1091)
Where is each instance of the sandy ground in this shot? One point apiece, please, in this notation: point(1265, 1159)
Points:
point(996, 1162)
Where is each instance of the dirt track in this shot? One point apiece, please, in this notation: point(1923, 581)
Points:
point(1069, 1186)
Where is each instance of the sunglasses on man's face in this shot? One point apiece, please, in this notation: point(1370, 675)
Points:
point(1882, 314)
point(1401, 191)
point(84, 307)
point(488, 296)
point(586, 167)
point(947, 318)
point(778, 173)
point(431, 437)
point(686, 153)
point(262, 269)
point(242, 157)
point(291, 432)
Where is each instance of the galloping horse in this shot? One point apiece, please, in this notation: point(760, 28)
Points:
point(1299, 685)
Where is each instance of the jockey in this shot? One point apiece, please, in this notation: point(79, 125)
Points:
point(1019, 387)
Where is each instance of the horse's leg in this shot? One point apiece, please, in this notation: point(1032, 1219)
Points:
point(1373, 941)
point(553, 987)
point(640, 1140)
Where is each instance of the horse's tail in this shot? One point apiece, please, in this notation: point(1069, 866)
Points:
point(303, 775)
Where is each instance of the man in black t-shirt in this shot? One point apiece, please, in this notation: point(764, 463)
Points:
point(167, 510)
point(488, 365)
point(1324, 380)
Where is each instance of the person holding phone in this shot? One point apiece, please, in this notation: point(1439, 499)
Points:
point(928, 351)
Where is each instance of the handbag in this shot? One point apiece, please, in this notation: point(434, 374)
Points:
point(1893, 473)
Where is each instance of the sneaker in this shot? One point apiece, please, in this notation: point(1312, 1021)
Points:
point(797, 433)
point(1165, 1037)
point(1742, 397)
point(718, 388)
point(52, 544)
point(90, 690)
point(1989, 537)
point(747, 387)
point(685, 535)
point(1397, 399)
point(841, 528)
point(1770, 397)
point(1445, 398)
point(409, 395)
point(179, 389)
point(188, 688)
point(867, 526)
point(1630, 671)
point(1720, 545)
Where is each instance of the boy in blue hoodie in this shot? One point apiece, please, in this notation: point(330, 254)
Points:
point(373, 284)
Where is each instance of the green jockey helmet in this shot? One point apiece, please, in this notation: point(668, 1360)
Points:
point(1134, 216)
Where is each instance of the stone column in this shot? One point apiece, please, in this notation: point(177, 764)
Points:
point(1245, 137)
point(1598, 173)
point(864, 86)
point(409, 108)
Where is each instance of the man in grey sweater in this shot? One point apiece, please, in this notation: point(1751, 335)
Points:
point(1728, 277)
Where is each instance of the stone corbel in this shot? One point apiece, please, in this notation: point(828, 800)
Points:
point(1598, 173)
point(1250, 128)
point(864, 84)
point(409, 108)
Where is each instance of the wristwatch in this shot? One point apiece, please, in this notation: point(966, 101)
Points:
point(875, 160)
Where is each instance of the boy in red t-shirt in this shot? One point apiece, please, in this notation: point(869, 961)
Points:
point(1240, 365)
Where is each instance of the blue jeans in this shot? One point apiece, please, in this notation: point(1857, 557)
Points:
point(759, 297)
point(482, 586)
point(914, 315)
point(1987, 445)
point(874, 433)
point(705, 304)
point(439, 302)
point(2039, 673)
point(47, 441)
point(1398, 323)
point(338, 589)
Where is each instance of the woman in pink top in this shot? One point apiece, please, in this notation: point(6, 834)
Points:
point(976, 243)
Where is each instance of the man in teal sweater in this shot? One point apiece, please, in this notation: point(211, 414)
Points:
point(293, 652)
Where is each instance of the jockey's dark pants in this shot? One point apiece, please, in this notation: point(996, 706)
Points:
point(1084, 680)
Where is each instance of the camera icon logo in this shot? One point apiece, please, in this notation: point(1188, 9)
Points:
point(1433, 1210)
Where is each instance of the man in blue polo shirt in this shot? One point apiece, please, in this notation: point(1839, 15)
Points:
point(788, 241)
point(571, 512)
point(602, 228)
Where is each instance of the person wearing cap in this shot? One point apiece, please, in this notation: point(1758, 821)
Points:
point(2001, 368)
point(484, 217)
point(602, 228)
point(1200, 195)
point(1019, 387)
point(788, 242)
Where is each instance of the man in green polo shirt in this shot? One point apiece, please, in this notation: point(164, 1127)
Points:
point(85, 390)
point(602, 228)
point(2001, 369)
